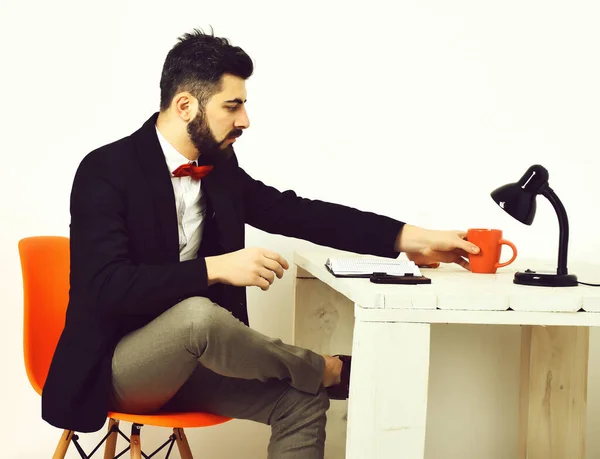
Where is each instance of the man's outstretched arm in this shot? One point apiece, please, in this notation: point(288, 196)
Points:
point(328, 224)
point(347, 228)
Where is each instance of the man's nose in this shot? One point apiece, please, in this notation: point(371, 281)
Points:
point(242, 121)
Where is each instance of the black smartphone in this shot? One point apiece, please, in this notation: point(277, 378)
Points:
point(390, 279)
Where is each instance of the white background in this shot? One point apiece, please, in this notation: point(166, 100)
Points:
point(414, 109)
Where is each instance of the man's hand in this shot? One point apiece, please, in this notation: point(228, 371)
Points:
point(246, 267)
point(332, 371)
point(428, 247)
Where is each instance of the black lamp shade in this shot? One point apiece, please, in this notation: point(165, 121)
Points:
point(518, 199)
point(516, 202)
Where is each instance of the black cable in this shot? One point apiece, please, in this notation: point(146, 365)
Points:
point(591, 285)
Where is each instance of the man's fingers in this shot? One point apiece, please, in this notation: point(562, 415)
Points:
point(267, 274)
point(460, 257)
point(467, 246)
point(463, 262)
point(274, 266)
point(278, 258)
point(457, 256)
point(461, 252)
point(262, 283)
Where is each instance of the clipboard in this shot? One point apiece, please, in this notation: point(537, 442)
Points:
point(355, 276)
point(401, 272)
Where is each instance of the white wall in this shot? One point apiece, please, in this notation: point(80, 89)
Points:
point(413, 109)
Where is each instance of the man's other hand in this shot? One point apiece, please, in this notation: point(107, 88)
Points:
point(247, 267)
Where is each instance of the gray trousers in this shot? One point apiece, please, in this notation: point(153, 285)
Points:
point(198, 357)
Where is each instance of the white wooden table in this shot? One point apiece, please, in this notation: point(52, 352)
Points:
point(386, 328)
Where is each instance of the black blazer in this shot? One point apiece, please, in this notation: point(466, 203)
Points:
point(125, 268)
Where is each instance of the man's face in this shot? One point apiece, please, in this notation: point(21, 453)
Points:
point(215, 128)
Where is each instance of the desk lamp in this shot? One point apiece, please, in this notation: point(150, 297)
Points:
point(518, 199)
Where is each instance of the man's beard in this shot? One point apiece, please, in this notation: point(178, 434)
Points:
point(211, 151)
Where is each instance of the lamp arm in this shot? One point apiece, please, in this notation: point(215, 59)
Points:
point(563, 225)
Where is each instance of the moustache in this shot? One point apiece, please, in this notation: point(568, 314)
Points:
point(234, 134)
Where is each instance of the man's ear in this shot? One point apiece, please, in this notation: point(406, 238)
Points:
point(185, 105)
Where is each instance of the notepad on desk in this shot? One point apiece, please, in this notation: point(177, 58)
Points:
point(366, 267)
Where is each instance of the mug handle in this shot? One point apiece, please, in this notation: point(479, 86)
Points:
point(514, 255)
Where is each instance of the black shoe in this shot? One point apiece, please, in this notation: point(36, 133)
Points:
point(341, 391)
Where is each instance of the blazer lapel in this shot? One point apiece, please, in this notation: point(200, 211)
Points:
point(229, 225)
point(154, 166)
point(217, 185)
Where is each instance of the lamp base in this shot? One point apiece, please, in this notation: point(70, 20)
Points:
point(545, 279)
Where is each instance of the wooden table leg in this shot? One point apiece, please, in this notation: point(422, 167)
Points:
point(323, 323)
point(554, 375)
point(388, 391)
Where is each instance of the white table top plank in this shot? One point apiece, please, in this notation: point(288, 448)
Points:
point(454, 288)
point(510, 317)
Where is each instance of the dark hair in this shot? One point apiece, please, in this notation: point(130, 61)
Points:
point(197, 63)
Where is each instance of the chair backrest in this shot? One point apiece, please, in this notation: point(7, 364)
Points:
point(45, 268)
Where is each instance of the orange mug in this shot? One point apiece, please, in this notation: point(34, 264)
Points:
point(490, 243)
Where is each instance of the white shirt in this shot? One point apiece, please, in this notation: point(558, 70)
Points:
point(189, 201)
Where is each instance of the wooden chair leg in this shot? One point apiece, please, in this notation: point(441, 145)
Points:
point(63, 445)
point(136, 443)
point(182, 444)
point(110, 448)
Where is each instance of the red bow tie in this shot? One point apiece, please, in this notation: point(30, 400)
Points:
point(191, 170)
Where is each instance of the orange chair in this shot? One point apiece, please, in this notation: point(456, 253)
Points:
point(45, 266)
